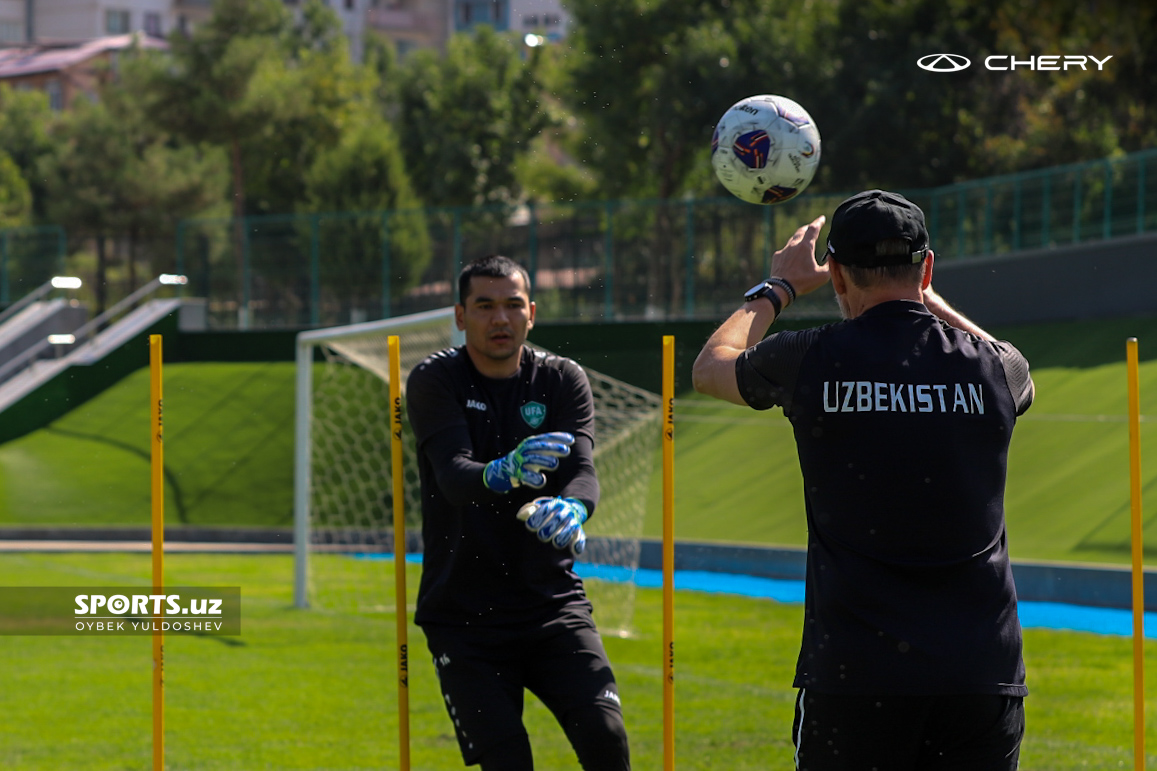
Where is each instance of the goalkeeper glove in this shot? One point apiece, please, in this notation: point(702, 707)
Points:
point(525, 463)
point(558, 521)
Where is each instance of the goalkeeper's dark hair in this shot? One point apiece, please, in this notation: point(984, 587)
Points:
point(490, 266)
point(865, 278)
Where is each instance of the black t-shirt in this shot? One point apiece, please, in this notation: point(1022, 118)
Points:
point(902, 423)
point(481, 565)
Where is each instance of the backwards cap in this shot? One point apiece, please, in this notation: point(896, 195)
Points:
point(867, 218)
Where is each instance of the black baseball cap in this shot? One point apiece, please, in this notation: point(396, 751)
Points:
point(867, 218)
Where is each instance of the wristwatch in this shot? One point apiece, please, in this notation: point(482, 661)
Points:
point(764, 289)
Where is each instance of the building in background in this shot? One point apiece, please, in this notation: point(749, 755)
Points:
point(51, 22)
point(410, 24)
point(541, 17)
point(68, 71)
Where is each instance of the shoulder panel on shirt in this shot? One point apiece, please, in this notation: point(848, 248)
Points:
point(766, 373)
point(1016, 373)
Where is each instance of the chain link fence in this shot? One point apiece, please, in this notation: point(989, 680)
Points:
point(616, 260)
point(29, 257)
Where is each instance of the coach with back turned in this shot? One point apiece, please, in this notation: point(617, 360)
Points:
point(902, 414)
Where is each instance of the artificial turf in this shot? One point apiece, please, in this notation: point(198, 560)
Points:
point(314, 689)
point(229, 454)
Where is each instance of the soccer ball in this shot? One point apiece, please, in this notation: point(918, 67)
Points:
point(765, 149)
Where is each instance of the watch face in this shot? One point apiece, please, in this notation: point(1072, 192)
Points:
point(756, 291)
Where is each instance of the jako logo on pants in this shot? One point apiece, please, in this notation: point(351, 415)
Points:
point(1004, 62)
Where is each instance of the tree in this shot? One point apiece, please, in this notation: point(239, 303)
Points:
point(650, 78)
point(325, 95)
point(365, 176)
point(25, 120)
point(114, 175)
point(466, 117)
point(162, 181)
point(225, 85)
point(15, 197)
point(80, 177)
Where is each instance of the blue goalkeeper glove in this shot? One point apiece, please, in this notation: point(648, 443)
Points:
point(558, 521)
point(525, 463)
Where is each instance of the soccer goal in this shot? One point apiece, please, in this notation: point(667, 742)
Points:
point(343, 493)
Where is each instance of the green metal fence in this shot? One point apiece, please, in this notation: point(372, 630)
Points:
point(29, 257)
point(615, 260)
point(1051, 207)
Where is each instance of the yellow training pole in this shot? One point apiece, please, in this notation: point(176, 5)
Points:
point(156, 407)
point(399, 553)
point(1138, 570)
point(668, 553)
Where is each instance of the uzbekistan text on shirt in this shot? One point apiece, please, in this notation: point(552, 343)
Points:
point(870, 396)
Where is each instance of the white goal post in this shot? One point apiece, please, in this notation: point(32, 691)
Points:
point(343, 505)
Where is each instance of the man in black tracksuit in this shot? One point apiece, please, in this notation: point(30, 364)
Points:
point(505, 443)
point(902, 413)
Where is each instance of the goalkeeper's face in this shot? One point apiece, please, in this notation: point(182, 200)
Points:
point(496, 318)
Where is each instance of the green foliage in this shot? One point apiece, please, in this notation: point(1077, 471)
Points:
point(82, 174)
point(650, 79)
point(25, 122)
point(225, 83)
point(114, 173)
point(325, 96)
point(365, 172)
point(547, 174)
point(467, 116)
point(15, 197)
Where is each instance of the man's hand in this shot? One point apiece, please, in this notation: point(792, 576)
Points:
point(714, 370)
point(525, 463)
point(796, 261)
point(558, 521)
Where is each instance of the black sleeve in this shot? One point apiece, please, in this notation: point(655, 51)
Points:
point(577, 472)
point(441, 433)
point(766, 372)
point(459, 476)
point(1016, 373)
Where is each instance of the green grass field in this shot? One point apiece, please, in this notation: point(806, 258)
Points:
point(228, 453)
point(314, 689)
point(229, 439)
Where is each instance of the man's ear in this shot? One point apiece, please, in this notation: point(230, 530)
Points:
point(927, 282)
point(530, 318)
point(839, 280)
point(460, 316)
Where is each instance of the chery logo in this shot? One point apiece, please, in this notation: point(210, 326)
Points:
point(1004, 63)
point(943, 62)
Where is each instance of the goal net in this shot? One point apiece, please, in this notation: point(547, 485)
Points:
point(343, 498)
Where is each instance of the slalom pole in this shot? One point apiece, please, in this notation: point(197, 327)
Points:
point(156, 408)
point(399, 553)
point(668, 553)
point(1138, 547)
